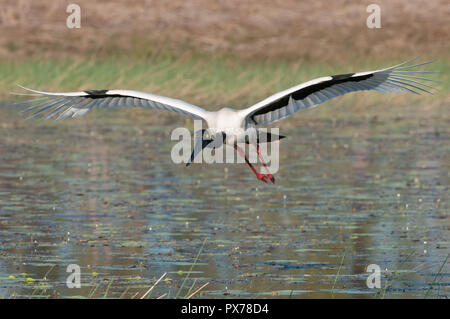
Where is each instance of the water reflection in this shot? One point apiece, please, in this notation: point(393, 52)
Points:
point(103, 193)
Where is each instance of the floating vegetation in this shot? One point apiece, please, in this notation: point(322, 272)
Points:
point(97, 194)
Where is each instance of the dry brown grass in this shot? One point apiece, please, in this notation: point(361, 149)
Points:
point(283, 29)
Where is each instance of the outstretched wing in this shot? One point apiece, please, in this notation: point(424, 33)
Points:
point(75, 104)
point(309, 94)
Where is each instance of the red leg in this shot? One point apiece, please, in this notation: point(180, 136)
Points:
point(260, 176)
point(270, 176)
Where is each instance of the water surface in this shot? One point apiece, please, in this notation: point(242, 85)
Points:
point(102, 192)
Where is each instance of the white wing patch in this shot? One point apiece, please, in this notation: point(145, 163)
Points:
point(77, 104)
point(315, 92)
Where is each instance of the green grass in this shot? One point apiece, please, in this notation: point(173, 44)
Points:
point(430, 289)
point(44, 288)
point(209, 82)
point(338, 273)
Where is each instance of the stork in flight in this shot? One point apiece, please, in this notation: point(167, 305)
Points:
point(229, 125)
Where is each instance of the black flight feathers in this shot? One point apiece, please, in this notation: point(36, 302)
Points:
point(304, 92)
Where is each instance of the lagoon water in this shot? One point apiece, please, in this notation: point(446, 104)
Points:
point(101, 192)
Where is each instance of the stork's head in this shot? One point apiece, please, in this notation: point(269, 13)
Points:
point(206, 138)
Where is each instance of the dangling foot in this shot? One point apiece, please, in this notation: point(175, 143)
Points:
point(261, 177)
point(269, 175)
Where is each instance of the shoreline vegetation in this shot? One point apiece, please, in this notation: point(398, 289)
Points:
point(280, 30)
point(208, 82)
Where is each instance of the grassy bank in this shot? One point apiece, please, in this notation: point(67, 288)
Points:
point(209, 82)
point(289, 30)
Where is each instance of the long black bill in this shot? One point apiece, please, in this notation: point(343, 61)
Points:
point(200, 142)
